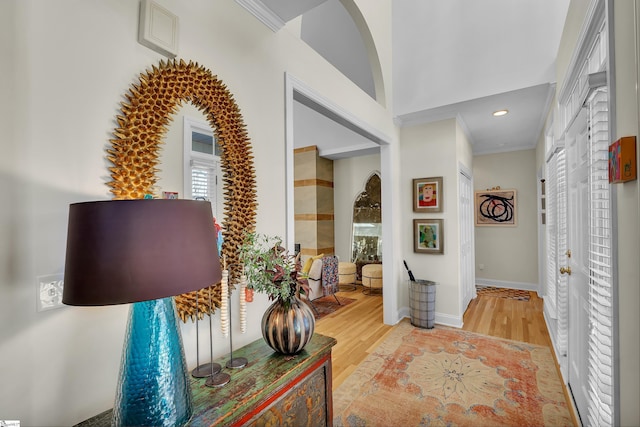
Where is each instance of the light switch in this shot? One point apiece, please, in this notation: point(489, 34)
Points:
point(49, 291)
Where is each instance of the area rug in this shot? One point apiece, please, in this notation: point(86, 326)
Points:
point(327, 305)
point(507, 293)
point(449, 377)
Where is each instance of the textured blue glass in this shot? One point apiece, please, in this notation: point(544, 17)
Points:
point(153, 388)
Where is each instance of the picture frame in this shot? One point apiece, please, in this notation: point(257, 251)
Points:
point(496, 208)
point(427, 194)
point(172, 195)
point(428, 236)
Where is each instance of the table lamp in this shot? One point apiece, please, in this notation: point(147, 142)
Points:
point(143, 252)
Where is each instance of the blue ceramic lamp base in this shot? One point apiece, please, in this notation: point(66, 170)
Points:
point(153, 387)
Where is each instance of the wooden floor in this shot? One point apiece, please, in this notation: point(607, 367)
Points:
point(359, 327)
point(508, 318)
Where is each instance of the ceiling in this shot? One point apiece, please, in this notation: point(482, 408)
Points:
point(451, 59)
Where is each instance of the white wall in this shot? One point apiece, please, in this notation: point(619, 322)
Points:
point(430, 150)
point(66, 65)
point(509, 254)
point(349, 179)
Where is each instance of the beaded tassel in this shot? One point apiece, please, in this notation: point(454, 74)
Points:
point(243, 304)
point(224, 301)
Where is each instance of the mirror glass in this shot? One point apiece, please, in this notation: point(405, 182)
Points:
point(367, 223)
point(189, 162)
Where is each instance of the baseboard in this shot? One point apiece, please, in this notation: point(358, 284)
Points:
point(403, 312)
point(440, 318)
point(523, 286)
point(560, 359)
point(449, 320)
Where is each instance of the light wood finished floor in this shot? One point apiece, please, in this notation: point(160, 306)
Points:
point(508, 318)
point(359, 326)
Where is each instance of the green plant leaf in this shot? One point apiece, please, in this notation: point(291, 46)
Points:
point(269, 268)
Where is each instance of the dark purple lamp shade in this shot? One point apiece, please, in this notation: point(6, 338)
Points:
point(124, 251)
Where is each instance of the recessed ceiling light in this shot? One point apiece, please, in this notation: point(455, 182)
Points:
point(500, 113)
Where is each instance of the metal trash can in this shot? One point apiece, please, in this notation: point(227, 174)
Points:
point(422, 303)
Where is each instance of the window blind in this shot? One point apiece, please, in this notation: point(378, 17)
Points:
point(562, 297)
point(600, 375)
point(551, 217)
point(203, 181)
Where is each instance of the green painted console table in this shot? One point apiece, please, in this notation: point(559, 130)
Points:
point(272, 389)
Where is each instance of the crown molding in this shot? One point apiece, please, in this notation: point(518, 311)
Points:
point(263, 13)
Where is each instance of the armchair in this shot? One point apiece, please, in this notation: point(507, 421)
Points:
point(323, 278)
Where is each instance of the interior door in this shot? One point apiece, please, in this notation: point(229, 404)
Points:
point(577, 270)
point(467, 247)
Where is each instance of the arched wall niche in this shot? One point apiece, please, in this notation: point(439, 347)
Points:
point(149, 108)
point(372, 51)
point(358, 60)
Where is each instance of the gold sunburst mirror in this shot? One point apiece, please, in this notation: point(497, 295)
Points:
point(150, 106)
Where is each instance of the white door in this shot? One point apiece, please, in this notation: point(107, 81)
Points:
point(577, 268)
point(467, 256)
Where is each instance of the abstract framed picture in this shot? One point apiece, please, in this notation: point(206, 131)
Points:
point(428, 236)
point(496, 208)
point(427, 194)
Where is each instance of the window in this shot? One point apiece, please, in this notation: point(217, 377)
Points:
point(601, 356)
point(202, 165)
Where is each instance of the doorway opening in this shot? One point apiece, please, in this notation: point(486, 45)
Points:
point(372, 141)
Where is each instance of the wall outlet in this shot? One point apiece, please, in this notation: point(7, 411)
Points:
point(49, 291)
point(481, 266)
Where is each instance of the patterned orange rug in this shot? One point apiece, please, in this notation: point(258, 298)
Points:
point(507, 293)
point(327, 305)
point(449, 377)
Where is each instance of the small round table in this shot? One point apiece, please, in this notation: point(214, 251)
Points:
point(372, 278)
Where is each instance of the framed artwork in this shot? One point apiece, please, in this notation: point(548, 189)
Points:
point(428, 236)
point(496, 208)
point(170, 195)
point(427, 194)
